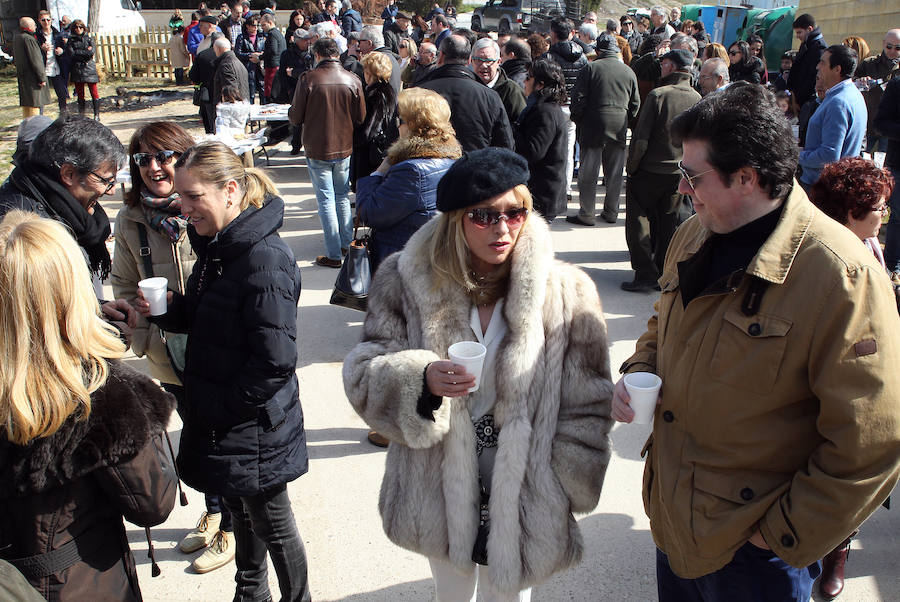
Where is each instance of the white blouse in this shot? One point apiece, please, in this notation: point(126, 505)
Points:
point(482, 401)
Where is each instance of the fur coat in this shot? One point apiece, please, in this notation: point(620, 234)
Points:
point(552, 409)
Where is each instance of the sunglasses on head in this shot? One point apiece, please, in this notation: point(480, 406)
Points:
point(487, 217)
point(162, 157)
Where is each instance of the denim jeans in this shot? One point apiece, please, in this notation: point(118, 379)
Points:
point(264, 524)
point(753, 575)
point(331, 181)
point(892, 228)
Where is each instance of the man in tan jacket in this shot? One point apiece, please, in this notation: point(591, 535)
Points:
point(778, 430)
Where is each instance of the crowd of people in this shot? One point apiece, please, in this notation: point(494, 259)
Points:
point(748, 206)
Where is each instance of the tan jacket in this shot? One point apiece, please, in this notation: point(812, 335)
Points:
point(328, 102)
point(786, 420)
point(178, 53)
point(172, 261)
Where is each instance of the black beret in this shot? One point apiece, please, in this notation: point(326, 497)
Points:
point(480, 175)
point(209, 19)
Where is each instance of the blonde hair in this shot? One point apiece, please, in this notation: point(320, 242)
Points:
point(715, 50)
point(378, 66)
point(54, 345)
point(448, 250)
point(859, 45)
point(425, 113)
point(215, 163)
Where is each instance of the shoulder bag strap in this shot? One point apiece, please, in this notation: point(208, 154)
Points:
point(144, 250)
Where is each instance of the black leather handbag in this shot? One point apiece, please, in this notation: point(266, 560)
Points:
point(351, 289)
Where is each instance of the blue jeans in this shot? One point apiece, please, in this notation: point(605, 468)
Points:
point(753, 575)
point(264, 523)
point(892, 228)
point(331, 181)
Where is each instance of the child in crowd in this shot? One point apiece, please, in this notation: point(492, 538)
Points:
point(787, 61)
point(783, 98)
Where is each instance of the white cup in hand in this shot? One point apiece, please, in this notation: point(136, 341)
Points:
point(155, 290)
point(471, 355)
point(643, 389)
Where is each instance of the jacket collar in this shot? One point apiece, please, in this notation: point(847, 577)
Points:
point(454, 70)
point(675, 78)
point(248, 228)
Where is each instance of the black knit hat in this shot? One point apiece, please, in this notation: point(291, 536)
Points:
point(208, 19)
point(480, 175)
point(681, 58)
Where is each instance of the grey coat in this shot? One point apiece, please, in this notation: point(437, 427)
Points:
point(552, 409)
point(29, 59)
point(605, 99)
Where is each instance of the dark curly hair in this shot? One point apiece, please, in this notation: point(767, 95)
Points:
point(742, 126)
point(550, 74)
point(851, 185)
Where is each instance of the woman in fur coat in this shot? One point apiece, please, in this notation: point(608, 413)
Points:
point(492, 477)
point(399, 197)
point(82, 440)
point(373, 137)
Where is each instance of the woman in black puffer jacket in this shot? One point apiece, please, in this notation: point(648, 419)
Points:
point(744, 66)
point(83, 438)
point(380, 129)
point(80, 50)
point(243, 426)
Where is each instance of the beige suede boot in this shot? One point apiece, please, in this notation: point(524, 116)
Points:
point(201, 537)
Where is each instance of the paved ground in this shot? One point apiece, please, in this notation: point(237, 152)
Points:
point(335, 504)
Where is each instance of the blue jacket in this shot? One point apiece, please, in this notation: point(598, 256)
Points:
point(836, 130)
point(351, 20)
point(243, 425)
point(195, 36)
point(398, 203)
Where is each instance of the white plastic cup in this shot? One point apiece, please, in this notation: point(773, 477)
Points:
point(643, 388)
point(471, 355)
point(155, 290)
point(878, 157)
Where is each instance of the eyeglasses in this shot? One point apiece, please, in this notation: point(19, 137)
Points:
point(892, 46)
point(483, 218)
point(45, 20)
point(481, 59)
point(882, 210)
point(108, 182)
point(689, 178)
point(162, 157)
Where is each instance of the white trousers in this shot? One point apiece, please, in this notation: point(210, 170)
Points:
point(450, 586)
point(570, 149)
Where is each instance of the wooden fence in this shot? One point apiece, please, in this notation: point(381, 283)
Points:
point(145, 54)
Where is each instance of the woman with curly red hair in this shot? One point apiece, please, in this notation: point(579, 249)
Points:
point(854, 192)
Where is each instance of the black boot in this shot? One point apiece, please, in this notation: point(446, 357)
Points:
point(81, 105)
point(63, 108)
point(96, 103)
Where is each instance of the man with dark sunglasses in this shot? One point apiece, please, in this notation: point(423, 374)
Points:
point(775, 336)
point(878, 68)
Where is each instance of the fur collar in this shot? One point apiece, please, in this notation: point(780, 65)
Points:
point(416, 147)
point(126, 412)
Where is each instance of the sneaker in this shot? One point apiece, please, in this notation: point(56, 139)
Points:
point(200, 537)
point(219, 553)
point(327, 262)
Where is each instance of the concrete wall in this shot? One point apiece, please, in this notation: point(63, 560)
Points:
point(866, 18)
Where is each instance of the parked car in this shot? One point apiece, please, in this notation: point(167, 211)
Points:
point(516, 15)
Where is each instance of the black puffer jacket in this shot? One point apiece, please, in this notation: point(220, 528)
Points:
point(802, 81)
point(541, 139)
point(80, 50)
point(77, 484)
point(476, 111)
point(243, 425)
point(570, 57)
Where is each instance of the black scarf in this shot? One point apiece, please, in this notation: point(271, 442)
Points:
point(89, 230)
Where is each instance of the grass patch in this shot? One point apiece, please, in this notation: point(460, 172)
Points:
point(11, 112)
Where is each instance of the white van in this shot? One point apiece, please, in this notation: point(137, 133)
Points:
point(116, 16)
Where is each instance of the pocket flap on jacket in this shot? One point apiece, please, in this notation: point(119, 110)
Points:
point(738, 486)
point(758, 325)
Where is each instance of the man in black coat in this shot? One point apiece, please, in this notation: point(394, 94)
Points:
point(295, 61)
point(515, 59)
point(230, 71)
point(271, 56)
point(604, 101)
point(476, 111)
point(202, 72)
point(570, 57)
point(802, 80)
point(371, 39)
